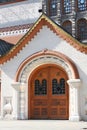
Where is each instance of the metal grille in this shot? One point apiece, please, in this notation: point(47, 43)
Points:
point(82, 29)
point(67, 6)
point(53, 8)
point(58, 87)
point(82, 5)
point(41, 88)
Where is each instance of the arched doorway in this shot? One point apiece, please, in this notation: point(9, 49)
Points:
point(49, 93)
point(26, 76)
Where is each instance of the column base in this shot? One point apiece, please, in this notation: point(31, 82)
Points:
point(74, 118)
point(21, 116)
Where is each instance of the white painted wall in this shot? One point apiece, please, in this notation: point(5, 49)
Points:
point(45, 39)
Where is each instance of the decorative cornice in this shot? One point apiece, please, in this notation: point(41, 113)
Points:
point(43, 21)
point(15, 28)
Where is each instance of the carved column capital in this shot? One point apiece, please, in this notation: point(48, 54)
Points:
point(16, 85)
point(74, 83)
point(20, 87)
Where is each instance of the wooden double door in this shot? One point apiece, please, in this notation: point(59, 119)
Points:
point(49, 94)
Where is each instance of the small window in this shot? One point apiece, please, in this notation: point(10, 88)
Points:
point(40, 87)
point(82, 29)
point(82, 5)
point(58, 87)
point(62, 85)
point(53, 8)
point(67, 6)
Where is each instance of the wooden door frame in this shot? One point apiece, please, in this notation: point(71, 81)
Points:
point(29, 84)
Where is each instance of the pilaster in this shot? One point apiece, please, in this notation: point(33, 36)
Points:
point(74, 106)
point(20, 88)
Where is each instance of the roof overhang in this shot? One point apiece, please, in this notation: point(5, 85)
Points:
point(43, 21)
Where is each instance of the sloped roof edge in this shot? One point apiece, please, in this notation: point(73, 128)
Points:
point(5, 47)
point(42, 21)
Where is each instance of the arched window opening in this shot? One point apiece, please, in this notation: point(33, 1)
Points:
point(82, 5)
point(53, 8)
point(58, 87)
point(62, 85)
point(66, 6)
point(82, 29)
point(40, 88)
point(67, 26)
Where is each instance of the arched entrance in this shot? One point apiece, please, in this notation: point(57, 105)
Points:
point(27, 77)
point(49, 93)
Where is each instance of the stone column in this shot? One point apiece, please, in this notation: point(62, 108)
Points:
point(20, 88)
point(74, 103)
point(22, 101)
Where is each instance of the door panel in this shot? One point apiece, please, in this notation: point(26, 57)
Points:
point(59, 94)
point(39, 97)
point(49, 94)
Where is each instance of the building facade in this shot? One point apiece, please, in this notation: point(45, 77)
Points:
point(43, 68)
point(71, 15)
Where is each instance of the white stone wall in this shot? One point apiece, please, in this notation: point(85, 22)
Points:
point(45, 39)
point(19, 13)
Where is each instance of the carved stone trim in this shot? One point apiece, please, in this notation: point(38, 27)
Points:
point(41, 60)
